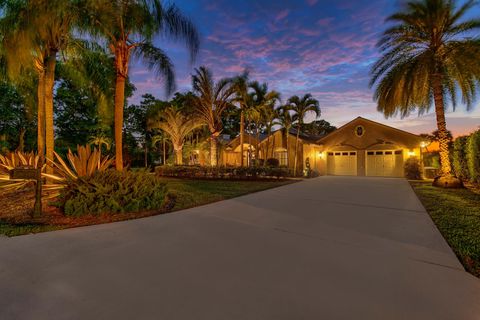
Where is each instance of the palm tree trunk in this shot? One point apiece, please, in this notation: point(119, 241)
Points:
point(178, 155)
point(242, 137)
point(49, 129)
point(41, 114)
point(213, 150)
point(164, 152)
point(287, 135)
point(296, 152)
point(446, 168)
point(118, 119)
point(21, 140)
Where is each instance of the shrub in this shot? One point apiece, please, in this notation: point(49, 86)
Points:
point(473, 156)
point(221, 172)
point(460, 164)
point(113, 192)
point(413, 169)
point(273, 162)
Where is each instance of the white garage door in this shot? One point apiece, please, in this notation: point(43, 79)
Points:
point(342, 163)
point(385, 163)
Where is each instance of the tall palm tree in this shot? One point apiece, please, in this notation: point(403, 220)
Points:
point(129, 27)
point(263, 101)
point(242, 98)
point(177, 126)
point(428, 53)
point(286, 122)
point(301, 107)
point(34, 32)
point(210, 101)
point(271, 117)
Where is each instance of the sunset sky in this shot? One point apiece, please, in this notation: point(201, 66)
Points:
point(322, 47)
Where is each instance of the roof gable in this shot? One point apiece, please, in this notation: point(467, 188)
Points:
point(374, 133)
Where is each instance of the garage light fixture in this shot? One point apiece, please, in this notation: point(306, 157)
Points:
point(411, 153)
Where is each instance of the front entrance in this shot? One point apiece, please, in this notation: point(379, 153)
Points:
point(342, 163)
point(384, 163)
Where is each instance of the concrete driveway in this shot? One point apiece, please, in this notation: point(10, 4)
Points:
point(326, 248)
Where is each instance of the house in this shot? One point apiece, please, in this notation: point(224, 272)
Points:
point(364, 147)
point(361, 147)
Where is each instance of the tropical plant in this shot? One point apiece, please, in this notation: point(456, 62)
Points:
point(100, 140)
point(286, 122)
point(263, 107)
point(34, 32)
point(129, 27)
point(301, 107)
point(428, 54)
point(12, 161)
point(211, 99)
point(243, 99)
point(270, 116)
point(460, 158)
point(111, 192)
point(473, 157)
point(177, 126)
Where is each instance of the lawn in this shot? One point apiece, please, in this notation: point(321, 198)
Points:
point(456, 212)
point(16, 206)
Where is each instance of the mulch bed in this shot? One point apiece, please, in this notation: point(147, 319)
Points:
point(17, 207)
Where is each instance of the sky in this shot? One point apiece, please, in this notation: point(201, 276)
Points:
point(322, 47)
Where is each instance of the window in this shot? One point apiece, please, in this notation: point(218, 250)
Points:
point(379, 153)
point(344, 153)
point(359, 131)
point(337, 153)
point(282, 158)
point(370, 153)
point(398, 152)
point(330, 153)
point(388, 152)
point(353, 153)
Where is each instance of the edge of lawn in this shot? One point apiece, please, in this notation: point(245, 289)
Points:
point(456, 214)
point(9, 229)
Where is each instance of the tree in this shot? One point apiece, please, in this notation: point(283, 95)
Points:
point(286, 122)
point(263, 104)
point(100, 140)
point(301, 107)
point(242, 98)
point(34, 32)
point(210, 101)
point(318, 128)
point(427, 55)
point(177, 126)
point(270, 116)
point(129, 27)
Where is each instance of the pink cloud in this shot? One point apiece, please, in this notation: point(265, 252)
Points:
point(282, 14)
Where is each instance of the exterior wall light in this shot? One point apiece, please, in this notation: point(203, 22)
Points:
point(411, 153)
point(423, 144)
point(320, 155)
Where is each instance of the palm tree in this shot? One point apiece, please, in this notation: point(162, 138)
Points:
point(130, 26)
point(34, 32)
point(263, 101)
point(427, 55)
point(242, 97)
point(270, 116)
point(210, 101)
point(286, 121)
point(177, 126)
point(161, 137)
point(301, 107)
point(100, 140)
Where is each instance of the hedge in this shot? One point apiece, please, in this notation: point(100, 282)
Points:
point(222, 172)
point(460, 163)
point(473, 156)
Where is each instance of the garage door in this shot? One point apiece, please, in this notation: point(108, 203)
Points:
point(342, 163)
point(385, 163)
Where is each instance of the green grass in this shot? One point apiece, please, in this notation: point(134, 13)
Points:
point(12, 230)
point(189, 193)
point(192, 193)
point(456, 212)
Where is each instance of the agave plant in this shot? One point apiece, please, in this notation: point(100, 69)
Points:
point(14, 160)
point(82, 164)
